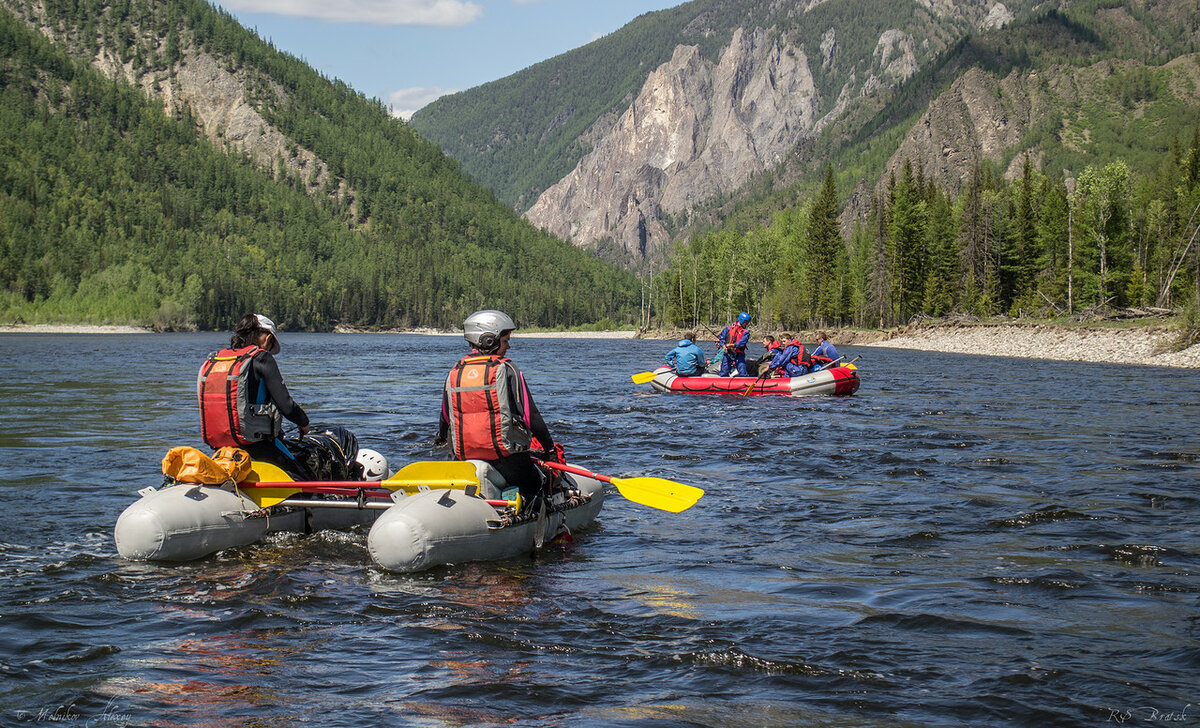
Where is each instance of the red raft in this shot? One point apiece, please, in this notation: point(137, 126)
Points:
point(835, 380)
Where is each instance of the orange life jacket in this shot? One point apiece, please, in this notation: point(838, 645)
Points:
point(482, 423)
point(230, 414)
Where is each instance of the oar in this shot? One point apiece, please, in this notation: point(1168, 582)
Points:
point(660, 493)
point(272, 485)
point(753, 384)
point(826, 366)
point(642, 377)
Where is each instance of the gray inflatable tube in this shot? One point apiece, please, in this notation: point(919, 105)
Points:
point(184, 522)
point(440, 527)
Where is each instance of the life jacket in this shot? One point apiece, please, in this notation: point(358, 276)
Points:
point(735, 334)
point(775, 346)
point(801, 358)
point(230, 414)
point(189, 465)
point(482, 423)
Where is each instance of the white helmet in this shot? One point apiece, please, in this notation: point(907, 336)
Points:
point(484, 328)
point(374, 465)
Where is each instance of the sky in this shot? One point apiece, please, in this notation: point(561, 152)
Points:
point(406, 53)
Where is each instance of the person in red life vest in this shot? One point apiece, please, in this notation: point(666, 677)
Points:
point(733, 341)
point(243, 402)
point(487, 411)
point(791, 361)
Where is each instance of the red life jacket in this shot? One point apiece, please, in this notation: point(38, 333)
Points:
point(735, 334)
point(800, 359)
point(482, 423)
point(230, 414)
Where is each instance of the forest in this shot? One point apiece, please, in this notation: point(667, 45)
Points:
point(1039, 245)
point(112, 211)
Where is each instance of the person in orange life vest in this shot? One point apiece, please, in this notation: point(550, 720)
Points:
point(487, 410)
point(791, 361)
point(247, 411)
point(733, 340)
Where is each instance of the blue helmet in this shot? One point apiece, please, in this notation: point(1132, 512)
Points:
point(743, 318)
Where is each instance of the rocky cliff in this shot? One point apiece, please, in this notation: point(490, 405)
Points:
point(698, 130)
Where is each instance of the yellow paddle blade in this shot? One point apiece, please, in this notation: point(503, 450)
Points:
point(452, 474)
point(262, 472)
point(641, 377)
point(267, 473)
point(666, 495)
point(267, 497)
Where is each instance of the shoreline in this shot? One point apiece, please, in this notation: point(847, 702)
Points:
point(1146, 345)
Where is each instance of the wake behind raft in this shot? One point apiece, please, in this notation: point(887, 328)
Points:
point(428, 514)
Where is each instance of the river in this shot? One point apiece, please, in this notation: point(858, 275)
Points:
point(966, 541)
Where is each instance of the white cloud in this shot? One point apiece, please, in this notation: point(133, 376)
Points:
point(407, 101)
point(440, 13)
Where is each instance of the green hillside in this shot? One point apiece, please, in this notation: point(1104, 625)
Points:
point(112, 211)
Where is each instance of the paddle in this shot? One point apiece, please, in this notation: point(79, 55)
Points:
point(665, 495)
point(642, 377)
point(753, 384)
point(271, 485)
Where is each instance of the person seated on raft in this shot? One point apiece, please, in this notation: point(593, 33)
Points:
point(487, 411)
point(243, 401)
point(824, 353)
point(758, 366)
point(791, 361)
point(686, 358)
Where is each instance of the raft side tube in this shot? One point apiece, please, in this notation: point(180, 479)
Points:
point(441, 527)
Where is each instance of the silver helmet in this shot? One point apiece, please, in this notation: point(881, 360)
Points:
point(484, 328)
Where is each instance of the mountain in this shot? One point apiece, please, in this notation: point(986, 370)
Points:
point(622, 138)
point(162, 165)
point(756, 98)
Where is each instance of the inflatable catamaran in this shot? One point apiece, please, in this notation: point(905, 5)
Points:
point(427, 514)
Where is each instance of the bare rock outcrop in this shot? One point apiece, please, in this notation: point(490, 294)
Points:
point(696, 130)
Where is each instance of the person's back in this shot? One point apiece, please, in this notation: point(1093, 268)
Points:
point(487, 411)
point(686, 358)
point(243, 402)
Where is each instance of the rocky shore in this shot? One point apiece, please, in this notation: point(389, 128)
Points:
point(1143, 345)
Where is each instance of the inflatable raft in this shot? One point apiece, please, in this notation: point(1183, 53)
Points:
point(835, 380)
point(427, 514)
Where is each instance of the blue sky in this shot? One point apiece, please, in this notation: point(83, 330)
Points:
point(408, 52)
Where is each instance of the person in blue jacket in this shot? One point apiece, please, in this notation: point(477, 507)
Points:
point(824, 353)
point(687, 359)
point(791, 361)
point(733, 341)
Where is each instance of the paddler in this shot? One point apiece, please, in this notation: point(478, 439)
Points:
point(243, 402)
point(487, 411)
point(733, 340)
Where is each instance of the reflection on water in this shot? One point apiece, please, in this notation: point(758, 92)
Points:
point(966, 541)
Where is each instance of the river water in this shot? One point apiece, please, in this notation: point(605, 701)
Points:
point(966, 541)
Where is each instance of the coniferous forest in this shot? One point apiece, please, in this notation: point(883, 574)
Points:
point(1035, 246)
point(112, 211)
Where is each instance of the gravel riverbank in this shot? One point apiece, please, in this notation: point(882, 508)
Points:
point(1146, 346)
